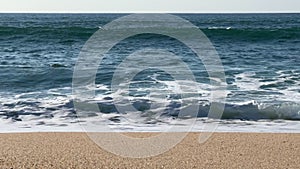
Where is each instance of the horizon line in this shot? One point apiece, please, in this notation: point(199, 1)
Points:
point(154, 12)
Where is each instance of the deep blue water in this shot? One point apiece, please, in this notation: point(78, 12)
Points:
point(260, 54)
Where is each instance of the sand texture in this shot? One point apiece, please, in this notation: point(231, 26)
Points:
point(222, 150)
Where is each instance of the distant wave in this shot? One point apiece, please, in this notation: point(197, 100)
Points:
point(254, 34)
point(214, 27)
point(225, 32)
point(41, 32)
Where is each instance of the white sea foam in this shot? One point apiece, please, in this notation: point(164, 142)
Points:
point(267, 126)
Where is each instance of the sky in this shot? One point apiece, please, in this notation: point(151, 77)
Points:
point(164, 6)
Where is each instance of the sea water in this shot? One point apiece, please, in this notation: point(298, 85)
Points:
point(260, 54)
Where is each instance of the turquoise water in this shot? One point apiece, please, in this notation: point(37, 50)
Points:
point(260, 54)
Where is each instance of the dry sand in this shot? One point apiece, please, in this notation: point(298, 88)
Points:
point(222, 150)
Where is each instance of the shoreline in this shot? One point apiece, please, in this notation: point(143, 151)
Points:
point(222, 150)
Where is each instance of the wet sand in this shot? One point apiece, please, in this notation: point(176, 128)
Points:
point(222, 150)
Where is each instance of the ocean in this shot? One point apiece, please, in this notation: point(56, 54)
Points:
point(260, 54)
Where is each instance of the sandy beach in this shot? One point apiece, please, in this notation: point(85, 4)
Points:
point(222, 150)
